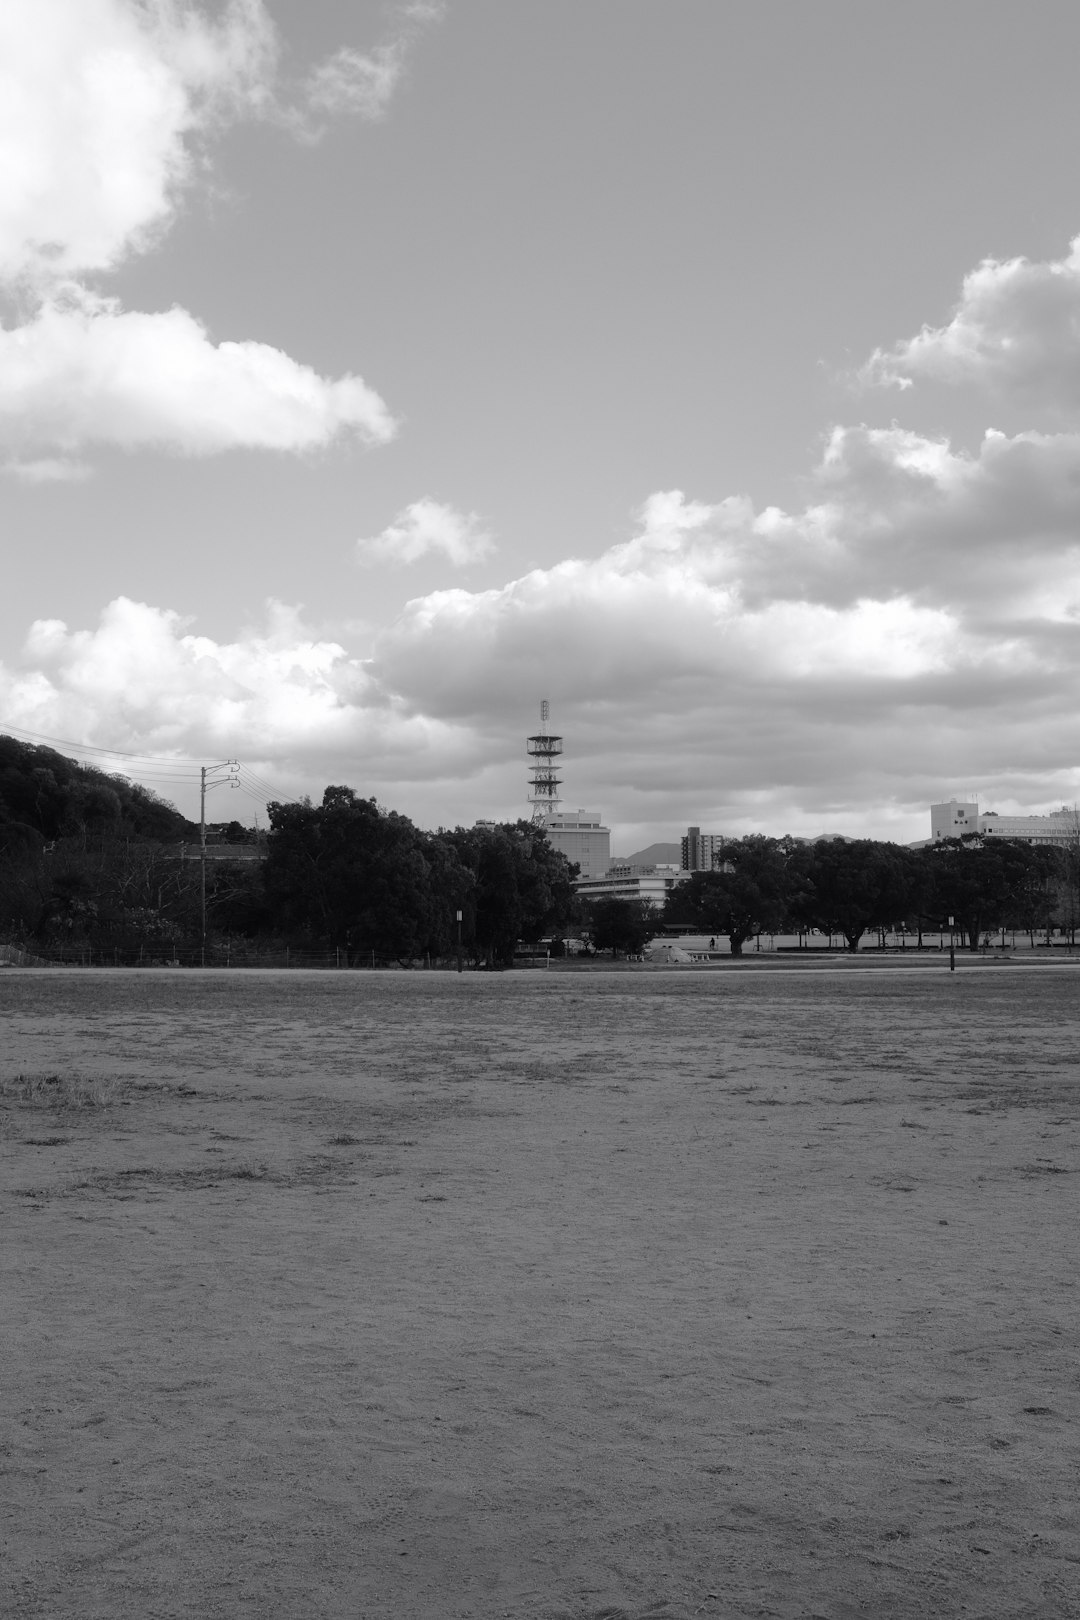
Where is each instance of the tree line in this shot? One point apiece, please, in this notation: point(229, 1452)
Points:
point(349, 875)
point(89, 859)
point(854, 887)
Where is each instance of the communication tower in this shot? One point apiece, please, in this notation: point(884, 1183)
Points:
point(544, 780)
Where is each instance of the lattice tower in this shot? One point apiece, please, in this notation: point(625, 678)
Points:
point(544, 779)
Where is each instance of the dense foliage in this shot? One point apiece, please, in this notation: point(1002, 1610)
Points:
point(85, 855)
point(89, 861)
point(854, 886)
point(614, 924)
point(750, 892)
point(358, 878)
point(42, 792)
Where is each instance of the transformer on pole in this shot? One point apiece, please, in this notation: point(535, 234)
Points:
point(544, 780)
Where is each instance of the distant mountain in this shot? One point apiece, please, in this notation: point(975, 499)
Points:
point(653, 855)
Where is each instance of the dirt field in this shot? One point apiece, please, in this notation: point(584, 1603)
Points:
point(543, 1295)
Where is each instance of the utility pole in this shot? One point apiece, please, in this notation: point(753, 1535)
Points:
point(207, 780)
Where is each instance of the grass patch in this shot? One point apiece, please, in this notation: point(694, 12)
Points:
point(249, 1172)
point(60, 1091)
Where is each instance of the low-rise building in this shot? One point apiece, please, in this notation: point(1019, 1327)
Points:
point(629, 882)
point(959, 818)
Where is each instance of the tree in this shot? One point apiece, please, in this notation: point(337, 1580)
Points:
point(985, 883)
point(747, 894)
point(42, 789)
point(349, 874)
point(616, 924)
point(521, 888)
point(1067, 877)
point(850, 885)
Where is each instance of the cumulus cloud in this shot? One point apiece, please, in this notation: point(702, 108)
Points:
point(88, 373)
point(106, 110)
point(911, 559)
point(892, 514)
point(99, 104)
point(915, 626)
point(1015, 331)
point(912, 630)
point(144, 681)
point(425, 527)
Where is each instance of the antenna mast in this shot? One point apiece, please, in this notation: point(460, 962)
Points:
point(544, 780)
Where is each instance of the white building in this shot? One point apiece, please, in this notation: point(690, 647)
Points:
point(628, 882)
point(581, 837)
point(960, 818)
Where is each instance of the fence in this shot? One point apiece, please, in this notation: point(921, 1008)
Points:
point(220, 956)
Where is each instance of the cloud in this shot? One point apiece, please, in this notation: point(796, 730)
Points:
point(106, 111)
point(426, 526)
point(910, 560)
point(916, 624)
point(1015, 332)
point(362, 83)
point(47, 470)
point(100, 101)
point(351, 81)
point(143, 681)
point(912, 630)
point(89, 373)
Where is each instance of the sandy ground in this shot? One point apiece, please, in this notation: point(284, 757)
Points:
point(542, 1295)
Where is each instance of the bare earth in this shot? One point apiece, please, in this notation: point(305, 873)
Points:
point(543, 1295)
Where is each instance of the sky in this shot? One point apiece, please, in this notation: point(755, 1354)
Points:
point(710, 368)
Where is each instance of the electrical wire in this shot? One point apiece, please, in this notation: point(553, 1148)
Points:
point(157, 768)
point(91, 748)
point(259, 781)
point(258, 787)
point(257, 792)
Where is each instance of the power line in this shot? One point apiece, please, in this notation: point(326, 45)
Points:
point(260, 798)
point(169, 781)
point(91, 748)
point(260, 781)
point(161, 768)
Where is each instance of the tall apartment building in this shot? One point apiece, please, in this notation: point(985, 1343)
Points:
point(699, 850)
point(959, 818)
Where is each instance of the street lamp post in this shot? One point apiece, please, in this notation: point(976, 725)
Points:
point(952, 947)
point(459, 941)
